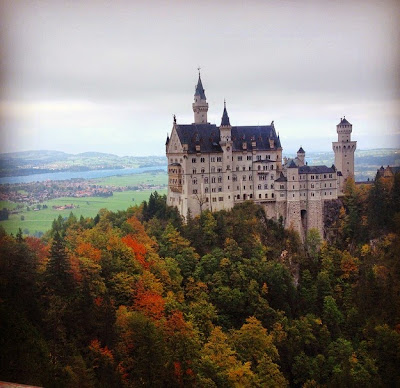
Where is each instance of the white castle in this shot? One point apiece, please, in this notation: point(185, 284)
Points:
point(214, 168)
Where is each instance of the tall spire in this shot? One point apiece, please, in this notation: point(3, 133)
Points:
point(200, 105)
point(199, 88)
point(225, 117)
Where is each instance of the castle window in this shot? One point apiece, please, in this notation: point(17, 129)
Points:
point(228, 167)
point(312, 176)
point(250, 177)
point(293, 177)
point(251, 196)
point(238, 196)
point(272, 166)
point(193, 160)
point(213, 179)
point(282, 187)
point(194, 191)
point(237, 168)
point(244, 168)
point(206, 189)
point(293, 195)
point(293, 187)
point(203, 170)
point(219, 169)
point(206, 199)
point(272, 186)
point(265, 187)
point(212, 169)
point(206, 180)
point(202, 160)
point(220, 199)
point(324, 176)
point(272, 195)
point(195, 181)
point(219, 159)
point(194, 171)
point(219, 179)
point(312, 185)
point(214, 199)
point(249, 168)
point(234, 178)
point(272, 176)
point(259, 167)
point(219, 189)
point(239, 158)
point(237, 187)
point(259, 187)
point(244, 177)
point(266, 195)
point(244, 187)
point(228, 177)
point(258, 157)
point(248, 157)
point(282, 194)
point(330, 175)
point(259, 196)
point(213, 190)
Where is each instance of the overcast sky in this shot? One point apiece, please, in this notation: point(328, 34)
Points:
point(108, 76)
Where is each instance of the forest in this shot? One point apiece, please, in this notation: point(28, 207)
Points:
point(227, 299)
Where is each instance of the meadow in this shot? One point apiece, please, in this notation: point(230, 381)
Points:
point(34, 222)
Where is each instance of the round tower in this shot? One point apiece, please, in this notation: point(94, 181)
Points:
point(200, 105)
point(344, 150)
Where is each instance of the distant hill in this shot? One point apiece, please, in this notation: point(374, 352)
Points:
point(35, 162)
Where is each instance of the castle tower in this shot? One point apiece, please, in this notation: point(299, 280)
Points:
point(344, 150)
point(301, 154)
point(200, 105)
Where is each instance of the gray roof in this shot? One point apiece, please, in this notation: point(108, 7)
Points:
point(208, 137)
point(281, 178)
point(260, 134)
point(316, 170)
point(225, 117)
point(292, 164)
point(200, 90)
point(301, 151)
point(343, 121)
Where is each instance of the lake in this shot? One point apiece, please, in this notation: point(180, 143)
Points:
point(65, 175)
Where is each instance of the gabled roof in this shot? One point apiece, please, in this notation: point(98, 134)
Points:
point(292, 164)
point(200, 90)
point(316, 170)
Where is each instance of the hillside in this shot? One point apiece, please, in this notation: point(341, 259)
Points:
point(36, 162)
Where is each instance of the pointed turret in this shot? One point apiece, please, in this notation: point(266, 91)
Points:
point(225, 118)
point(200, 105)
point(200, 90)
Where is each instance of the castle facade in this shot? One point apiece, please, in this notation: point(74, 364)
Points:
point(211, 167)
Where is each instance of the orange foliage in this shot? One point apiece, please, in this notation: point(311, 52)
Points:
point(175, 323)
point(86, 249)
point(138, 249)
point(349, 265)
point(150, 303)
point(75, 269)
point(104, 353)
point(139, 232)
point(37, 246)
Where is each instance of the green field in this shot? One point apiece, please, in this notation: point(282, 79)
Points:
point(40, 221)
point(154, 178)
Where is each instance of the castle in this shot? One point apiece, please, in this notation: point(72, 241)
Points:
point(214, 168)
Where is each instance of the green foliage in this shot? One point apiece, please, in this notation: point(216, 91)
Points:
point(230, 299)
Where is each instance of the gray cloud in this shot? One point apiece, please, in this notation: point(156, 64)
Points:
point(125, 67)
